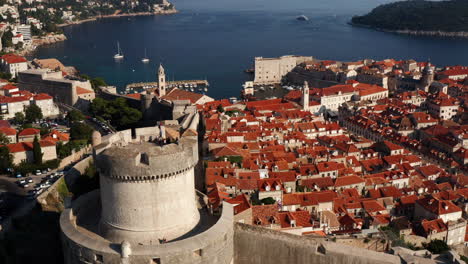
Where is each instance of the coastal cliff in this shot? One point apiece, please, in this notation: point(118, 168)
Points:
point(443, 19)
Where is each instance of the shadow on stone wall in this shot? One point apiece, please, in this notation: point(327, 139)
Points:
point(256, 245)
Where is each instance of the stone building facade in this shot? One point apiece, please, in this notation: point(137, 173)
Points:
point(272, 70)
point(64, 90)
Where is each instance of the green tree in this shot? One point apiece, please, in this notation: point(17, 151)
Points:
point(436, 246)
point(80, 131)
point(99, 107)
point(45, 131)
point(98, 81)
point(51, 27)
point(6, 159)
point(268, 200)
point(129, 117)
point(75, 115)
point(117, 111)
point(4, 140)
point(37, 151)
point(33, 113)
point(5, 75)
point(6, 39)
point(19, 118)
point(220, 109)
point(85, 76)
point(35, 31)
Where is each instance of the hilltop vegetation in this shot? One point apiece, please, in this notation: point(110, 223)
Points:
point(418, 15)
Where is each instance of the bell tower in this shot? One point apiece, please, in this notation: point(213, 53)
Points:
point(427, 77)
point(305, 96)
point(161, 81)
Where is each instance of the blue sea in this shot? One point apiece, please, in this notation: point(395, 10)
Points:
point(218, 39)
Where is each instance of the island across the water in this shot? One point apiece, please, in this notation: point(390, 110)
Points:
point(442, 18)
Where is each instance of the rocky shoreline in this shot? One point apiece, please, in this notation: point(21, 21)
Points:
point(44, 40)
point(162, 12)
point(435, 33)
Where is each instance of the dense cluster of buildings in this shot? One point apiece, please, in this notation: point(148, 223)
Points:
point(21, 143)
point(346, 158)
point(39, 77)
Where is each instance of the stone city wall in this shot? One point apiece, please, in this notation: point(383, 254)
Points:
point(71, 175)
point(76, 155)
point(256, 245)
point(213, 246)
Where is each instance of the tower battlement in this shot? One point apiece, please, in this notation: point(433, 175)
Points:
point(141, 162)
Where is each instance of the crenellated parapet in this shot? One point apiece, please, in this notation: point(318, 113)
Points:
point(146, 161)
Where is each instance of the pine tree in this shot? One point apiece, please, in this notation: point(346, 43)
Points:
point(37, 151)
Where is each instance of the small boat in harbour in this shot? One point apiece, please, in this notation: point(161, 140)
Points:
point(302, 18)
point(119, 54)
point(145, 59)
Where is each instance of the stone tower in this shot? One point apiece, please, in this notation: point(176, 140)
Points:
point(161, 81)
point(305, 96)
point(427, 77)
point(147, 210)
point(147, 192)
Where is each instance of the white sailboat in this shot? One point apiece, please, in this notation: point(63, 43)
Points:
point(145, 59)
point(119, 54)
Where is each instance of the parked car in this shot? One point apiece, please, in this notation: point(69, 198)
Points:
point(38, 172)
point(21, 181)
point(18, 175)
point(29, 180)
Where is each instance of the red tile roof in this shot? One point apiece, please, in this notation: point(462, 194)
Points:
point(27, 146)
point(80, 90)
point(436, 225)
point(438, 207)
point(13, 58)
point(29, 132)
point(134, 96)
point(348, 180)
point(178, 94)
point(8, 131)
point(240, 202)
point(42, 96)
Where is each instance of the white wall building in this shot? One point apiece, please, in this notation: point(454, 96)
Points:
point(13, 64)
point(272, 70)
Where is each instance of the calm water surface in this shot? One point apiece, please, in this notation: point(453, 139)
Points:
point(218, 39)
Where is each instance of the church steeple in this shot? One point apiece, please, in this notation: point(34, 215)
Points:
point(161, 81)
point(305, 96)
